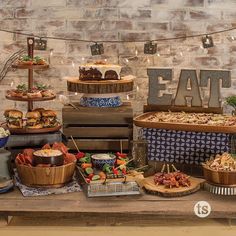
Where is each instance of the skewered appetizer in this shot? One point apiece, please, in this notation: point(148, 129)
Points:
point(109, 166)
point(173, 179)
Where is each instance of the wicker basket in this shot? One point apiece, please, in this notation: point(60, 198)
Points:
point(219, 177)
point(46, 176)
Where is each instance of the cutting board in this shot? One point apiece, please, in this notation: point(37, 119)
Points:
point(150, 187)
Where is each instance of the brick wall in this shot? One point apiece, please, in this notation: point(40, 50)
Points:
point(115, 20)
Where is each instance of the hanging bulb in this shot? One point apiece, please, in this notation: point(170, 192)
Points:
point(127, 96)
point(76, 93)
point(127, 60)
point(181, 54)
point(137, 88)
point(158, 54)
point(207, 41)
point(136, 52)
point(12, 83)
point(73, 64)
point(148, 60)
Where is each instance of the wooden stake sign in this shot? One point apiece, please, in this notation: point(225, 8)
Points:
point(188, 92)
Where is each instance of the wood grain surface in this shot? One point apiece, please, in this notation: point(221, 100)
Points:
point(76, 204)
point(99, 87)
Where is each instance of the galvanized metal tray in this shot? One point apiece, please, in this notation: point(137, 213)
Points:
point(111, 187)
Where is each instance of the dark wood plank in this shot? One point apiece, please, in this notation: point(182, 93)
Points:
point(99, 144)
point(97, 132)
point(98, 116)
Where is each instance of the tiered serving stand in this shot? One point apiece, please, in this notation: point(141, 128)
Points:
point(30, 101)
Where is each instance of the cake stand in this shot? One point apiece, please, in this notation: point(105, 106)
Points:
point(102, 93)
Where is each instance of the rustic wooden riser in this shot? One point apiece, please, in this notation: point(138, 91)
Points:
point(99, 129)
point(97, 132)
point(99, 144)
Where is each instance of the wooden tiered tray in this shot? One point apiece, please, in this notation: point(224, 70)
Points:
point(30, 99)
point(34, 131)
point(101, 86)
point(32, 67)
point(141, 121)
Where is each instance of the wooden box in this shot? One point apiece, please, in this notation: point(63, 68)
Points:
point(98, 129)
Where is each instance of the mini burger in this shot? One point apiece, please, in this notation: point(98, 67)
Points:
point(33, 120)
point(14, 118)
point(49, 118)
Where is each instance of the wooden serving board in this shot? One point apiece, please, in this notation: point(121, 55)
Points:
point(34, 131)
point(149, 185)
point(101, 86)
point(142, 122)
point(30, 99)
point(33, 67)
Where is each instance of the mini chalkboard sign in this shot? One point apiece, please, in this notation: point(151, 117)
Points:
point(188, 94)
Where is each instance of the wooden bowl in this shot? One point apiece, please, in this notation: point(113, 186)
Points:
point(219, 177)
point(46, 176)
point(57, 160)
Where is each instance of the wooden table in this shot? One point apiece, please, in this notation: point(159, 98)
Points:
point(126, 208)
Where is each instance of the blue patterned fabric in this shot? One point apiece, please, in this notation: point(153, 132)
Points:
point(184, 146)
point(100, 102)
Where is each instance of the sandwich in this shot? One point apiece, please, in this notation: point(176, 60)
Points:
point(33, 120)
point(49, 118)
point(14, 118)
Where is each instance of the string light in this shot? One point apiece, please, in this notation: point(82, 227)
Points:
point(207, 41)
point(150, 48)
point(97, 49)
point(118, 41)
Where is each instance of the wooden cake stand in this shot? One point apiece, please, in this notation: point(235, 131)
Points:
point(100, 87)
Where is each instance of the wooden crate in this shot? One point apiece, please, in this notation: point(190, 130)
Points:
point(98, 129)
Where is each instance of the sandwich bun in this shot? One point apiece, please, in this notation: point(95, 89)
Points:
point(13, 114)
point(49, 113)
point(33, 114)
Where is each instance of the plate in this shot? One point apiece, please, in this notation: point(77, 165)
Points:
point(34, 131)
point(29, 99)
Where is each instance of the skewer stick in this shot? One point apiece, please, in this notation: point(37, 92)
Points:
point(74, 143)
point(121, 146)
point(125, 163)
point(174, 168)
point(163, 168)
point(168, 168)
point(142, 167)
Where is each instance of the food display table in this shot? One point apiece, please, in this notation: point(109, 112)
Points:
point(142, 208)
